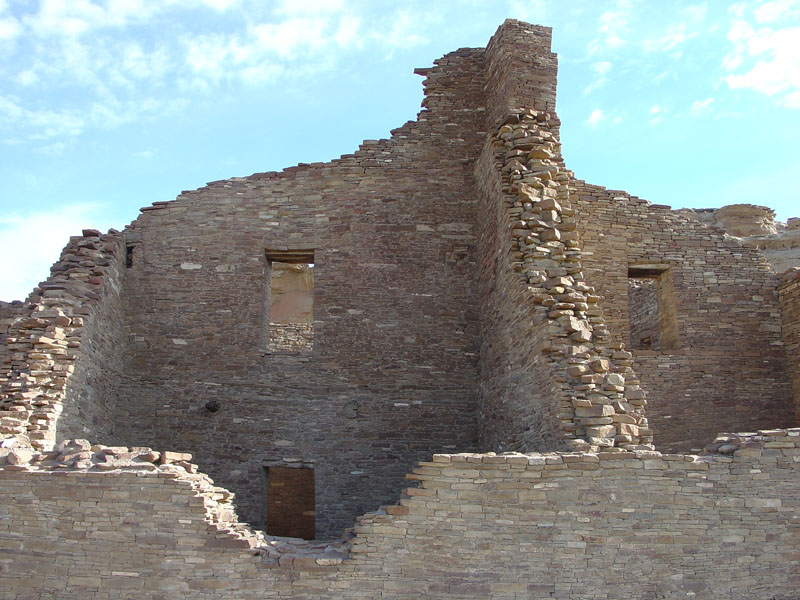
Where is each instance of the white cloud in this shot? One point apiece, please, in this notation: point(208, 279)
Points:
point(84, 64)
point(697, 13)
point(77, 17)
point(46, 123)
point(613, 26)
point(596, 118)
point(27, 77)
point(30, 242)
point(776, 11)
point(658, 112)
point(10, 28)
point(792, 100)
point(347, 33)
point(207, 54)
point(766, 58)
point(534, 11)
point(601, 69)
point(286, 38)
point(404, 32)
point(146, 154)
point(700, 107)
point(308, 7)
point(675, 36)
point(220, 5)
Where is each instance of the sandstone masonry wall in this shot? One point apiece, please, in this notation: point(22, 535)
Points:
point(728, 370)
point(391, 376)
point(63, 348)
point(789, 291)
point(557, 525)
point(547, 378)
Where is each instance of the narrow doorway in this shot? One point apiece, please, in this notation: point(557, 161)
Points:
point(290, 502)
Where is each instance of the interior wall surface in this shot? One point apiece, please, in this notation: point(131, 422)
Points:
point(392, 374)
point(623, 525)
point(727, 371)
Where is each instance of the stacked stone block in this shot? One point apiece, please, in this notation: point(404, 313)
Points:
point(601, 402)
point(725, 366)
point(555, 525)
point(391, 375)
point(789, 291)
point(65, 331)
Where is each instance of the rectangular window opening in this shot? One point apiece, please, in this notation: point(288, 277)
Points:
point(652, 311)
point(128, 256)
point(290, 502)
point(290, 300)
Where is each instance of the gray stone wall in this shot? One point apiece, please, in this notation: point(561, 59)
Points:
point(391, 376)
point(567, 525)
point(727, 368)
point(789, 291)
point(62, 351)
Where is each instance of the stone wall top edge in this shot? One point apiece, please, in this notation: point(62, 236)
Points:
point(81, 455)
point(678, 213)
point(740, 439)
point(790, 275)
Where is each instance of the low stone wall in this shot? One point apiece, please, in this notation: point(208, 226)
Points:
point(556, 525)
point(789, 292)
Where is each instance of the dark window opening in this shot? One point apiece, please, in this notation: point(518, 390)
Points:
point(290, 502)
point(652, 312)
point(290, 300)
point(128, 257)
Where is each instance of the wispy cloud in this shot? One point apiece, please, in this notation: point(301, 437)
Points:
point(765, 52)
point(657, 114)
point(701, 107)
point(612, 26)
point(10, 28)
point(600, 69)
point(596, 117)
point(675, 36)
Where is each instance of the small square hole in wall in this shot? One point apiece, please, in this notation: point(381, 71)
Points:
point(652, 312)
point(290, 300)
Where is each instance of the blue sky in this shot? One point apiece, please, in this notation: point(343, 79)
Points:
point(110, 105)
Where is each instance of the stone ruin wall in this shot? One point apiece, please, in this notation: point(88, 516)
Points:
point(727, 370)
point(468, 530)
point(519, 407)
point(757, 228)
point(789, 291)
point(62, 353)
point(630, 525)
point(549, 378)
point(391, 376)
